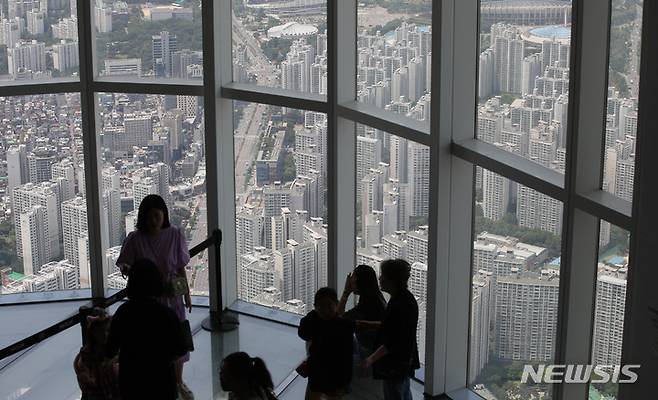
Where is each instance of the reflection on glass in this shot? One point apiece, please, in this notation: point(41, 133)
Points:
point(523, 78)
point(621, 119)
point(280, 43)
point(38, 40)
point(148, 39)
point(610, 306)
point(394, 49)
point(44, 217)
point(515, 286)
point(280, 182)
point(152, 144)
point(392, 200)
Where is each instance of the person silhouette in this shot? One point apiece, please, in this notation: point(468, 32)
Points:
point(147, 336)
point(165, 245)
point(246, 378)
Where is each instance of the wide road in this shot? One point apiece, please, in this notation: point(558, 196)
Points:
point(246, 143)
point(255, 116)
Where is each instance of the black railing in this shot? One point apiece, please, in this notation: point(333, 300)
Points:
point(81, 316)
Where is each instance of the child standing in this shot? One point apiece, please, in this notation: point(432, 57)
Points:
point(330, 341)
point(97, 376)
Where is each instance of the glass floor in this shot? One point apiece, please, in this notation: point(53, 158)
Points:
point(45, 371)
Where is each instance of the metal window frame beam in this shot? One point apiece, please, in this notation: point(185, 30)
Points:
point(606, 206)
point(275, 97)
point(387, 121)
point(105, 85)
point(23, 88)
point(511, 166)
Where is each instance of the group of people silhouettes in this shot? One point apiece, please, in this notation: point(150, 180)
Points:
point(140, 351)
point(380, 336)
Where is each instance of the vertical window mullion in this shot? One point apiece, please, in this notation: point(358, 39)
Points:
point(341, 25)
point(219, 145)
point(91, 150)
point(640, 331)
point(588, 94)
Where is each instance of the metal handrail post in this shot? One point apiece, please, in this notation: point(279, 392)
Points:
point(220, 319)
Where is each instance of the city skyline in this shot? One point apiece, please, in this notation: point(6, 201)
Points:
point(154, 144)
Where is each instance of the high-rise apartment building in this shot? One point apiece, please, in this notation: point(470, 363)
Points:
point(257, 273)
point(151, 180)
point(419, 178)
point(26, 56)
point(17, 167)
point(74, 227)
point(526, 316)
point(102, 17)
point(65, 56)
point(36, 220)
point(40, 162)
point(163, 47)
point(248, 229)
point(35, 22)
point(481, 302)
point(138, 130)
point(10, 31)
point(189, 105)
point(63, 173)
point(538, 211)
point(609, 316)
point(112, 205)
point(495, 195)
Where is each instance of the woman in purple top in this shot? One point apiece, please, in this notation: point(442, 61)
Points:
point(165, 245)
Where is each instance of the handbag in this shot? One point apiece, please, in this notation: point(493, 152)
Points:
point(178, 286)
point(187, 335)
point(302, 369)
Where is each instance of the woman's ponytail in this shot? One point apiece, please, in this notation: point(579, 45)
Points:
point(260, 375)
point(248, 373)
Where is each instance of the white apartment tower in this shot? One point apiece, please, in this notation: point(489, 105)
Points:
point(609, 317)
point(257, 273)
point(495, 195)
point(36, 220)
point(63, 174)
point(481, 301)
point(74, 227)
point(419, 178)
point(26, 56)
point(65, 56)
point(526, 316)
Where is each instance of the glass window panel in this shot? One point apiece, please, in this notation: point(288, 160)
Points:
point(152, 144)
point(280, 43)
point(515, 286)
point(44, 215)
point(148, 40)
point(38, 41)
point(280, 181)
point(610, 306)
point(394, 57)
point(523, 78)
point(624, 77)
point(392, 200)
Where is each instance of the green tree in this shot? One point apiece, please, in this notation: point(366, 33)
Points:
point(289, 168)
